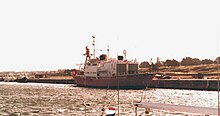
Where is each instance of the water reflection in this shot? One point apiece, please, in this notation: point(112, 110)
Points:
point(34, 99)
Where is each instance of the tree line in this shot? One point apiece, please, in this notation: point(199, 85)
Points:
point(188, 61)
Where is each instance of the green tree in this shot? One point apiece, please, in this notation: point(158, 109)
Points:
point(144, 64)
point(207, 61)
point(217, 59)
point(188, 61)
point(171, 62)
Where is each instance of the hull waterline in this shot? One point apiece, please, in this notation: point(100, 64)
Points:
point(131, 81)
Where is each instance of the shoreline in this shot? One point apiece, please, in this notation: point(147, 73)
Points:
point(189, 84)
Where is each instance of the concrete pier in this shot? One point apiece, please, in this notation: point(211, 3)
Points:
point(49, 80)
point(194, 84)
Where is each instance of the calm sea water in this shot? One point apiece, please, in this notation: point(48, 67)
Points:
point(36, 99)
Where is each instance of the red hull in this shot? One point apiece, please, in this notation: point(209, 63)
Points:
point(135, 81)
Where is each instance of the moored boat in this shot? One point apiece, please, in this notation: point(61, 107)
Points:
point(104, 72)
point(22, 78)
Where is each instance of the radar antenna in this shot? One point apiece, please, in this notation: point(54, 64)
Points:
point(125, 53)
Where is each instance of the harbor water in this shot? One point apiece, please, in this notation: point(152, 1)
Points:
point(40, 99)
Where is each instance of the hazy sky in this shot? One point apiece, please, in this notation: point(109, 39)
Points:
point(52, 34)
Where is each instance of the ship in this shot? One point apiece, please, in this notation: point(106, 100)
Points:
point(105, 72)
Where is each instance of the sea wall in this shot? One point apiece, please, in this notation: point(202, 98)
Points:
point(195, 84)
point(48, 80)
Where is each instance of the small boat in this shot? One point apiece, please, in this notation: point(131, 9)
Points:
point(110, 111)
point(179, 108)
point(104, 72)
point(1, 79)
point(22, 79)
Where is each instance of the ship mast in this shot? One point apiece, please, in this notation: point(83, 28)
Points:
point(108, 51)
point(125, 52)
point(87, 54)
point(93, 45)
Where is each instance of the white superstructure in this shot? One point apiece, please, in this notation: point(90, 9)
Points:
point(103, 67)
